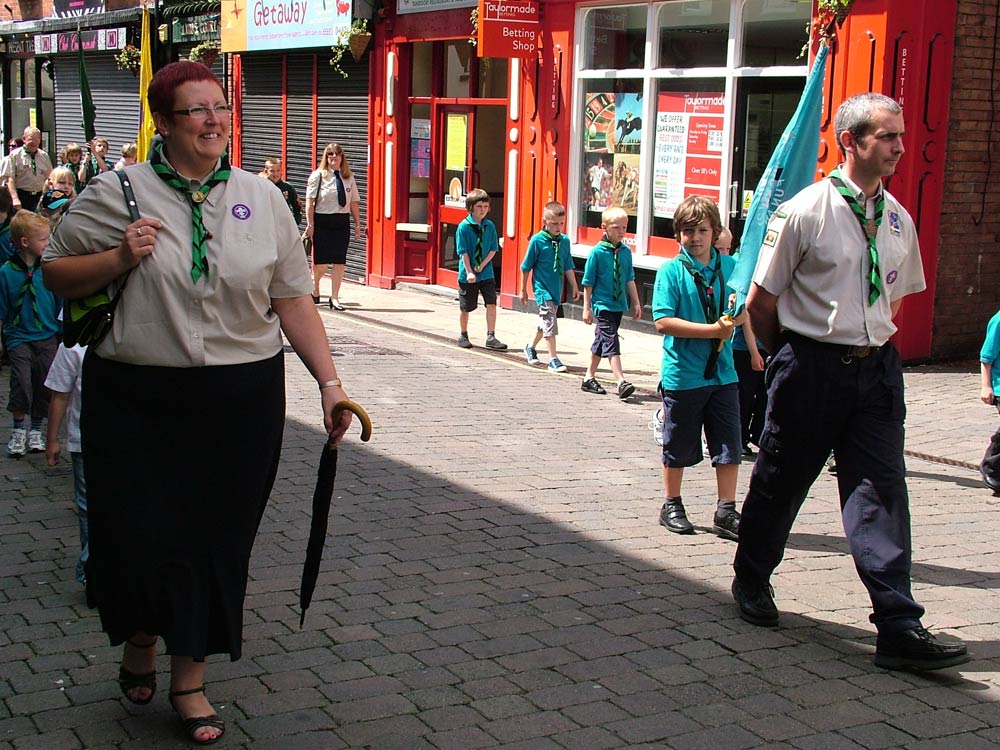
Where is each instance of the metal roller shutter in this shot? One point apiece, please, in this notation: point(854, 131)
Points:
point(343, 117)
point(116, 97)
point(301, 150)
point(261, 120)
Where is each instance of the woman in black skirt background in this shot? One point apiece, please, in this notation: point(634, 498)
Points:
point(183, 403)
point(331, 199)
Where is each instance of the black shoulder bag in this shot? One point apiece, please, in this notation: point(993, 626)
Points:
point(88, 320)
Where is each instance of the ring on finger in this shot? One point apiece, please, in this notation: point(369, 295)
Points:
point(138, 231)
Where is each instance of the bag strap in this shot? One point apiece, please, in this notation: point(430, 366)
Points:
point(133, 215)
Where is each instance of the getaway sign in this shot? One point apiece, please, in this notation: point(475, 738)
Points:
point(282, 24)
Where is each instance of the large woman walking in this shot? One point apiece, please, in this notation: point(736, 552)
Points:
point(184, 406)
point(331, 199)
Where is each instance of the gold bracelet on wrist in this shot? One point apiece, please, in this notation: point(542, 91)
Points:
point(335, 383)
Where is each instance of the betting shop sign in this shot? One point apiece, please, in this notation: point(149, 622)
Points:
point(508, 28)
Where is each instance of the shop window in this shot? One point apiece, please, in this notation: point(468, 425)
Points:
point(457, 64)
point(612, 135)
point(775, 31)
point(492, 78)
point(616, 38)
point(687, 158)
point(420, 69)
point(694, 34)
point(420, 164)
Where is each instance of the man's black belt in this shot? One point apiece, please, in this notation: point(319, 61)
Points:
point(852, 351)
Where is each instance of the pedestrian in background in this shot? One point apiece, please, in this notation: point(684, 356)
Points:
point(64, 382)
point(332, 198)
point(836, 262)
point(96, 162)
point(59, 193)
point(989, 389)
point(217, 275)
point(698, 382)
point(29, 313)
point(70, 157)
point(129, 153)
point(26, 170)
point(550, 264)
point(272, 172)
point(608, 285)
point(476, 243)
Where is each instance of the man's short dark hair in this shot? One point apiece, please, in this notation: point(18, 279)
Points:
point(854, 115)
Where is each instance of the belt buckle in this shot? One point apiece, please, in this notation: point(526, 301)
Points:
point(859, 352)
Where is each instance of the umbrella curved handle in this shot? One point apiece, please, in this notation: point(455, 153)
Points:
point(359, 411)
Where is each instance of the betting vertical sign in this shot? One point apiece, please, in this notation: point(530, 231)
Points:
point(508, 28)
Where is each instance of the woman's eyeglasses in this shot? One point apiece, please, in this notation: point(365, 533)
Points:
point(201, 113)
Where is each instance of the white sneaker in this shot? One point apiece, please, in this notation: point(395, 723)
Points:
point(17, 445)
point(36, 443)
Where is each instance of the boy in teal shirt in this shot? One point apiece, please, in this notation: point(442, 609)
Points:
point(698, 381)
point(608, 284)
point(548, 260)
point(989, 391)
point(477, 243)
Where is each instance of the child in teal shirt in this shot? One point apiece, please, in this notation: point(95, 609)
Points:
point(477, 243)
point(548, 260)
point(608, 284)
point(989, 391)
point(698, 381)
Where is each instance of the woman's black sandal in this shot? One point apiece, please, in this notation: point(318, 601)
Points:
point(128, 680)
point(195, 723)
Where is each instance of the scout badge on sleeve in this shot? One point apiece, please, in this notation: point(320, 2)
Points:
point(321, 505)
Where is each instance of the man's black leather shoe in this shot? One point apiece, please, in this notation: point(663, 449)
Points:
point(918, 650)
point(989, 481)
point(756, 603)
point(673, 517)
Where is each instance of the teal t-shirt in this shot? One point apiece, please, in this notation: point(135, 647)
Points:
point(598, 274)
point(27, 314)
point(540, 259)
point(465, 240)
point(990, 353)
point(675, 295)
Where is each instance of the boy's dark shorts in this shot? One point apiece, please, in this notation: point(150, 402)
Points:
point(606, 343)
point(714, 407)
point(468, 294)
point(29, 366)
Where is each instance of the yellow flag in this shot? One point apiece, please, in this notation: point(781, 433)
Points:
point(146, 127)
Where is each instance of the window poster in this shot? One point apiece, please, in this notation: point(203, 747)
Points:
point(611, 142)
point(688, 148)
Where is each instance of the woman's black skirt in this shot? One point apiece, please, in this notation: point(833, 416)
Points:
point(331, 236)
point(179, 464)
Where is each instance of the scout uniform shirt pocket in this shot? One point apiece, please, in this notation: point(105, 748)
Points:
point(248, 251)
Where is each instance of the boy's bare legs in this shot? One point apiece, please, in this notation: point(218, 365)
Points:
point(595, 360)
point(725, 480)
point(463, 321)
point(672, 478)
point(550, 344)
point(615, 361)
point(491, 317)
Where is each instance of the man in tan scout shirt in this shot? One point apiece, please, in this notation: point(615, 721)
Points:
point(26, 169)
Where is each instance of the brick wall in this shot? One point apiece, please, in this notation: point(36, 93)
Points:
point(968, 272)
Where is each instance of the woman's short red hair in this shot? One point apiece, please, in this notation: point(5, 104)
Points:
point(169, 78)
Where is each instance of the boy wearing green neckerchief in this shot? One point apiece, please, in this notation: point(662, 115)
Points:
point(608, 286)
point(29, 313)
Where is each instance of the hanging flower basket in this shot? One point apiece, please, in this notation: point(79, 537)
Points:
point(358, 43)
point(128, 59)
point(205, 53)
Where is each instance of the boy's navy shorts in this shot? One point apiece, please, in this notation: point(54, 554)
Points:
point(606, 343)
point(714, 407)
point(468, 294)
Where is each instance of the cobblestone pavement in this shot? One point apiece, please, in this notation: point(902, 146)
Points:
point(495, 577)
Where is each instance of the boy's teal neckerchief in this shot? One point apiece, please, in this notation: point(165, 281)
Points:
point(27, 289)
point(617, 288)
point(555, 239)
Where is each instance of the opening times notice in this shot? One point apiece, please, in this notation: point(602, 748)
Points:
point(688, 154)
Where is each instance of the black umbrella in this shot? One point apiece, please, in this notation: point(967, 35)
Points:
point(321, 505)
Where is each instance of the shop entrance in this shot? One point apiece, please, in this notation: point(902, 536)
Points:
point(764, 107)
point(472, 156)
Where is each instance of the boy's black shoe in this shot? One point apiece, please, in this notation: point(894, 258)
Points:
point(463, 341)
point(673, 518)
point(592, 386)
point(989, 481)
point(625, 389)
point(492, 342)
point(918, 650)
point(756, 603)
point(727, 524)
